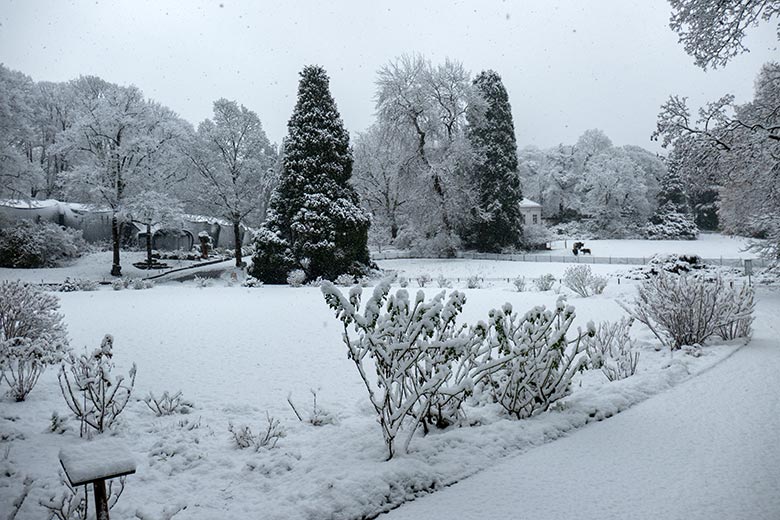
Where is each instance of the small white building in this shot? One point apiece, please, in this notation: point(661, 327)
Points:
point(531, 211)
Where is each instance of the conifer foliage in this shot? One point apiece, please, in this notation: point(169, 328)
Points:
point(673, 219)
point(315, 222)
point(497, 219)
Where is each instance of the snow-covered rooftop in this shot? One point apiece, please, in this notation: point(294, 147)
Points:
point(528, 203)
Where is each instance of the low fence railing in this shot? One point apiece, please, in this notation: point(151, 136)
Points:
point(565, 259)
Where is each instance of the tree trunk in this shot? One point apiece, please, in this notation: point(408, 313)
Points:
point(116, 269)
point(237, 237)
point(148, 245)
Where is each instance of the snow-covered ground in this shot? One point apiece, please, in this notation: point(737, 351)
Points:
point(707, 449)
point(237, 353)
point(708, 245)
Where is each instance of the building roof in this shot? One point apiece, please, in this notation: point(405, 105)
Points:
point(528, 203)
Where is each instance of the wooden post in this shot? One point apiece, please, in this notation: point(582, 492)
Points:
point(101, 499)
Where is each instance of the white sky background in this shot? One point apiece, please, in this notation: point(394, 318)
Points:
point(568, 65)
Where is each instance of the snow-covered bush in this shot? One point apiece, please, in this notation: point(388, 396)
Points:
point(168, 404)
point(744, 304)
point(345, 280)
point(30, 244)
point(296, 277)
point(443, 282)
point(94, 396)
point(118, 284)
point(32, 336)
point(412, 345)
point(577, 278)
point(140, 284)
point(424, 279)
point(58, 423)
point(613, 350)
point(251, 281)
point(403, 282)
point(243, 437)
point(598, 283)
point(687, 309)
point(473, 282)
point(202, 282)
point(544, 282)
point(519, 283)
point(539, 360)
point(77, 285)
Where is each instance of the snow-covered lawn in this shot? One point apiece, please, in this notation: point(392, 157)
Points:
point(238, 353)
point(708, 245)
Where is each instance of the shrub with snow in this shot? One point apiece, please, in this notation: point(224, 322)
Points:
point(30, 244)
point(244, 437)
point(581, 280)
point(140, 284)
point(612, 349)
point(77, 285)
point(202, 281)
point(317, 415)
point(744, 304)
point(296, 277)
point(94, 396)
point(345, 280)
point(412, 345)
point(671, 224)
point(251, 281)
point(473, 282)
point(424, 279)
point(32, 336)
point(539, 361)
point(544, 282)
point(168, 404)
point(687, 309)
point(519, 283)
point(443, 282)
point(118, 284)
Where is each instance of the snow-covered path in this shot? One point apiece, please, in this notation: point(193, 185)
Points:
point(706, 449)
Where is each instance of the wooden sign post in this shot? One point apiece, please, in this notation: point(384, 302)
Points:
point(94, 463)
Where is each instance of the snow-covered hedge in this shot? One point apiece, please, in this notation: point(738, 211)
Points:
point(30, 244)
point(32, 336)
point(426, 365)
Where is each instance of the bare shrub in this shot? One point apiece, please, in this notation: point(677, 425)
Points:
point(73, 503)
point(613, 350)
point(168, 404)
point(92, 394)
point(744, 304)
point(443, 282)
point(687, 309)
point(317, 415)
point(243, 437)
point(544, 282)
point(32, 336)
point(424, 279)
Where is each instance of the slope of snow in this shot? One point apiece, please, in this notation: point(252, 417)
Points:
point(706, 449)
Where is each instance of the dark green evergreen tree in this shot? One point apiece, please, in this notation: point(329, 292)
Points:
point(315, 222)
point(673, 219)
point(496, 220)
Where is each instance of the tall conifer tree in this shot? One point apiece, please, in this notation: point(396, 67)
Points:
point(497, 221)
point(315, 221)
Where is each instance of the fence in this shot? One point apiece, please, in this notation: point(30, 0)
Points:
point(564, 259)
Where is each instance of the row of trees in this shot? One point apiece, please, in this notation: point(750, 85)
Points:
point(96, 142)
point(728, 154)
point(438, 169)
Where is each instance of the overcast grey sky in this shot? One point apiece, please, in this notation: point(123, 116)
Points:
point(568, 65)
